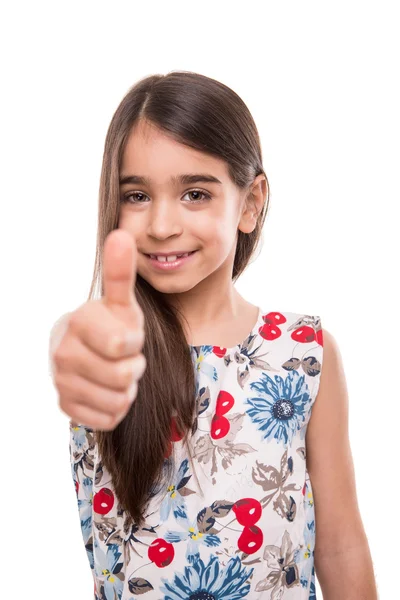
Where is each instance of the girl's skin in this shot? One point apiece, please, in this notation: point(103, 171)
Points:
point(166, 217)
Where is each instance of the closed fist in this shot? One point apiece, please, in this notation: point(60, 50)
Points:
point(95, 351)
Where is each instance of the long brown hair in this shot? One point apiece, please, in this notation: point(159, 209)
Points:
point(204, 114)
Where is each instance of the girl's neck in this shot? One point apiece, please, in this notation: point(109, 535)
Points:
point(225, 325)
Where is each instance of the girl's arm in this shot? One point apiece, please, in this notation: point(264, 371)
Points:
point(342, 557)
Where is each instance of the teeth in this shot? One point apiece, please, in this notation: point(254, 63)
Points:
point(171, 258)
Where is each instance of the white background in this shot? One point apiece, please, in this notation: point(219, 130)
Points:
point(321, 80)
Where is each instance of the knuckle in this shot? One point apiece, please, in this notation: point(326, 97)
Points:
point(59, 357)
point(132, 391)
point(124, 373)
point(143, 364)
point(118, 406)
point(59, 382)
point(121, 404)
point(139, 365)
point(75, 319)
point(65, 354)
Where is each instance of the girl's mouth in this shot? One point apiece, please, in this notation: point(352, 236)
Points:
point(167, 265)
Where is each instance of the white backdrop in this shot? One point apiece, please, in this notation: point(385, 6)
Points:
point(321, 80)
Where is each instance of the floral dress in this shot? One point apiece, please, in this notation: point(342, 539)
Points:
point(237, 520)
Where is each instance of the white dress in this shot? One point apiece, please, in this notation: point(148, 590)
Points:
point(237, 520)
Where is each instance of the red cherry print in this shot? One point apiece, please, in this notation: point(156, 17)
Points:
point(220, 426)
point(225, 401)
point(250, 540)
point(247, 510)
point(320, 337)
point(269, 331)
point(103, 501)
point(304, 334)
point(274, 318)
point(218, 351)
point(303, 491)
point(77, 486)
point(161, 553)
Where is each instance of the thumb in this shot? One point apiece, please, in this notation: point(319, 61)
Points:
point(119, 268)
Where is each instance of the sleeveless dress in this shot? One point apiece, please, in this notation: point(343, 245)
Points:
point(237, 520)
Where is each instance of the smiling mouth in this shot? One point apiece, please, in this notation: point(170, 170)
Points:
point(169, 263)
point(171, 258)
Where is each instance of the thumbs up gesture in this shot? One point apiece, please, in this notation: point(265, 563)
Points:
point(98, 362)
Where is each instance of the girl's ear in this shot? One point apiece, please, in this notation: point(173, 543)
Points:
point(253, 204)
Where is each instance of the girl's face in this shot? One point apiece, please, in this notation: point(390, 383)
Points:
point(165, 214)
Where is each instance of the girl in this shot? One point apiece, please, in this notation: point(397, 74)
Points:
point(217, 483)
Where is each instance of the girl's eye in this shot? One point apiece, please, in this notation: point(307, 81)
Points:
point(205, 195)
point(126, 197)
point(129, 197)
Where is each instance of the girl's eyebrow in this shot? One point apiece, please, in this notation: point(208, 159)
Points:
point(187, 178)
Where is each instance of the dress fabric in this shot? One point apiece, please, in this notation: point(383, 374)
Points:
point(237, 520)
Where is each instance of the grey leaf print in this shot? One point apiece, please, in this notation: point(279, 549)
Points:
point(257, 363)
point(239, 358)
point(242, 376)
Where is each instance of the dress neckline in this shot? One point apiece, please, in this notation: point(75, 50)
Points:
point(253, 331)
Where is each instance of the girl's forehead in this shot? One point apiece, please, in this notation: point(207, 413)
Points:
point(159, 157)
point(157, 141)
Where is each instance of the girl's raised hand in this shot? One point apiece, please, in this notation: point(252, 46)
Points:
point(98, 361)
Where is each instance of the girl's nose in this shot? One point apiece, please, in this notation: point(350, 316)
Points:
point(164, 220)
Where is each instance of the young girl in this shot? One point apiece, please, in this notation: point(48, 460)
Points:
point(230, 476)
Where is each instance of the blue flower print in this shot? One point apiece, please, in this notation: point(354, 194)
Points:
point(173, 499)
point(193, 536)
point(85, 509)
point(201, 364)
point(212, 581)
point(282, 406)
point(80, 435)
point(313, 590)
point(107, 570)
